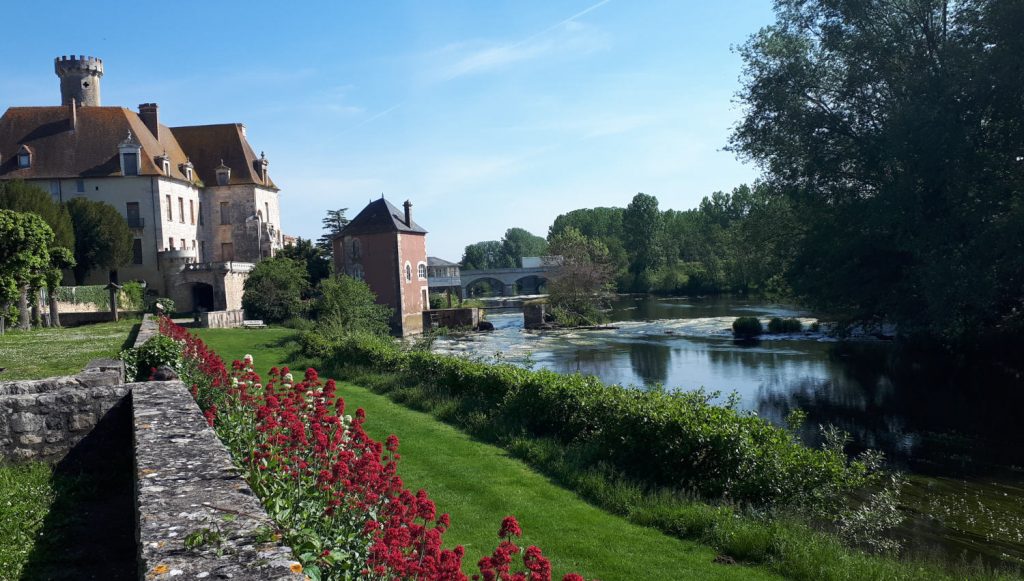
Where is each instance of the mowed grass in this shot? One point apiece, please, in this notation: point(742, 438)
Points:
point(478, 484)
point(40, 353)
point(26, 494)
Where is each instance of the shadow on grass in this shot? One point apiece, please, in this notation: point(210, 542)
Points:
point(89, 532)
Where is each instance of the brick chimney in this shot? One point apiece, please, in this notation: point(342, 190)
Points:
point(150, 115)
point(408, 213)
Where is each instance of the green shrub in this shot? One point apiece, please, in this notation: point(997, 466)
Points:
point(133, 296)
point(346, 305)
point(779, 325)
point(158, 350)
point(747, 327)
point(94, 294)
point(273, 290)
point(165, 302)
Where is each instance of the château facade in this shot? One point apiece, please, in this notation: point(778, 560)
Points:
point(200, 203)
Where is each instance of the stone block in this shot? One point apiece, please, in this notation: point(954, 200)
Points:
point(30, 439)
point(26, 422)
point(54, 422)
point(54, 437)
point(81, 422)
point(24, 454)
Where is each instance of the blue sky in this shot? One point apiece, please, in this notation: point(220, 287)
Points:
point(486, 115)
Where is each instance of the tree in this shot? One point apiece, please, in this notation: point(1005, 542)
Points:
point(604, 225)
point(518, 243)
point(22, 197)
point(334, 223)
point(25, 241)
point(484, 255)
point(318, 265)
point(894, 129)
point(581, 285)
point(102, 237)
point(274, 289)
point(642, 238)
point(348, 305)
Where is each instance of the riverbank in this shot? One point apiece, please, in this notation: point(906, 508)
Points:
point(477, 483)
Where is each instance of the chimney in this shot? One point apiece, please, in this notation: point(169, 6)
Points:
point(149, 113)
point(408, 213)
point(73, 106)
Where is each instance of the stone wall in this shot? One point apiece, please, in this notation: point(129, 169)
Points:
point(222, 319)
point(187, 484)
point(45, 418)
point(451, 318)
point(76, 319)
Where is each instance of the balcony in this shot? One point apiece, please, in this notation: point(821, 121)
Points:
point(136, 222)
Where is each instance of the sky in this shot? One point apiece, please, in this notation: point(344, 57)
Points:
point(485, 115)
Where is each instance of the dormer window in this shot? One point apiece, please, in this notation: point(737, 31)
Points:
point(223, 174)
point(129, 152)
point(24, 157)
point(187, 169)
point(164, 163)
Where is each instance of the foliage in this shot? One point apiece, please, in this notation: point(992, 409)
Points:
point(166, 305)
point(332, 489)
point(94, 293)
point(894, 131)
point(20, 196)
point(345, 304)
point(484, 256)
point(746, 327)
point(273, 290)
point(518, 243)
point(102, 237)
point(581, 285)
point(25, 261)
point(318, 263)
point(779, 325)
point(141, 361)
point(134, 295)
point(333, 222)
point(642, 238)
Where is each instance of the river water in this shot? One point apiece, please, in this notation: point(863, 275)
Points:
point(955, 428)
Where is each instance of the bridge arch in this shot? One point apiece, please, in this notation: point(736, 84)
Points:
point(532, 284)
point(484, 286)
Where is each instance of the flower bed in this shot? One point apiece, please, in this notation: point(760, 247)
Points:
point(334, 492)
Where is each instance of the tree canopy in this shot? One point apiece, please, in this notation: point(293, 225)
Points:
point(894, 130)
point(484, 255)
point(102, 237)
point(23, 197)
point(25, 241)
point(318, 264)
point(273, 290)
point(505, 253)
point(333, 222)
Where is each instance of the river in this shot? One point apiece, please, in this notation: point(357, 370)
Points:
point(954, 428)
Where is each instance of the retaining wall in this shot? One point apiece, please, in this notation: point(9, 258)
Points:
point(45, 418)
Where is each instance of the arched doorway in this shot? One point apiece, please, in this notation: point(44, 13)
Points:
point(202, 297)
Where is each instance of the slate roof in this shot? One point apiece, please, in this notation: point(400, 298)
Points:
point(91, 150)
point(380, 216)
point(435, 261)
point(209, 144)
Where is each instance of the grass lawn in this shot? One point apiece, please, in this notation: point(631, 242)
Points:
point(25, 498)
point(478, 484)
point(40, 353)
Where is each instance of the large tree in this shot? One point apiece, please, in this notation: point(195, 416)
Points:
point(102, 237)
point(895, 129)
point(334, 222)
point(518, 243)
point(318, 265)
point(25, 241)
point(581, 285)
point(273, 290)
point(484, 255)
point(643, 238)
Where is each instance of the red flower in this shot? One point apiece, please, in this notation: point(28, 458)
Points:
point(509, 528)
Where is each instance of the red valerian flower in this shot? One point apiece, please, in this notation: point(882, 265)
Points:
point(509, 528)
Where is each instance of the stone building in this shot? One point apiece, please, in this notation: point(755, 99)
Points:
point(384, 247)
point(200, 203)
point(443, 276)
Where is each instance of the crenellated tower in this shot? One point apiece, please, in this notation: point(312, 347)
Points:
point(79, 79)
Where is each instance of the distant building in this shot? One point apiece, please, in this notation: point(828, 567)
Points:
point(443, 276)
point(200, 203)
point(384, 247)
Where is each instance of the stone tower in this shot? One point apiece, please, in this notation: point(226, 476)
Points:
point(79, 79)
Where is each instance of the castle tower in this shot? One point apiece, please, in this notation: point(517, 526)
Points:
point(79, 79)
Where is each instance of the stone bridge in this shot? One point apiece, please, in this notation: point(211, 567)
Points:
point(529, 279)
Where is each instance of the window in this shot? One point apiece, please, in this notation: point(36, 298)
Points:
point(181, 210)
point(183, 246)
point(188, 173)
point(132, 213)
point(266, 206)
point(170, 243)
point(426, 299)
point(421, 271)
point(137, 251)
point(225, 214)
point(24, 157)
point(227, 251)
point(357, 272)
point(80, 186)
point(202, 251)
point(199, 206)
point(193, 245)
point(408, 272)
point(170, 210)
point(131, 163)
point(192, 212)
point(167, 167)
point(54, 187)
point(356, 249)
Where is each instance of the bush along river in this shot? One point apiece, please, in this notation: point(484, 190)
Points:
point(952, 427)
